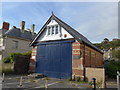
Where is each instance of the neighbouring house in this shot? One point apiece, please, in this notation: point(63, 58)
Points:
point(60, 51)
point(115, 39)
point(15, 39)
point(117, 48)
point(107, 54)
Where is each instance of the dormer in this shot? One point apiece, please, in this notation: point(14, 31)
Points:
point(53, 28)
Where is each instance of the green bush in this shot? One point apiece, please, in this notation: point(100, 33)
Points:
point(99, 84)
point(110, 44)
point(69, 79)
point(46, 78)
point(90, 83)
point(112, 68)
point(27, 53)
point(116, 54)
point(7, 60)
point(78, 79)
point(11, 58)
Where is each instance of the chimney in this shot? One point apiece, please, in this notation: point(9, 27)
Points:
point(22, 26)
point(32, 29)
point(5, 26)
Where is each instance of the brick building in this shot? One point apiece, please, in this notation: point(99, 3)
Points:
point(60, 51)
point(115, 39)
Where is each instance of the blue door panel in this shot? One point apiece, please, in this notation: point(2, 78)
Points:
point(66, 50)
point(55, 59)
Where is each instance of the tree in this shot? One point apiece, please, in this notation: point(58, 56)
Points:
point(112, 68)
point(116, 54)
point(106, 40)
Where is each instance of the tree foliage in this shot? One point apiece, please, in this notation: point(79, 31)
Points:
point(106, 40)
point(116, 54)
point(112, 68)
point(108, 45)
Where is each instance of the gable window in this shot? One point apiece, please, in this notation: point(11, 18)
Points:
point(52, 29)
point(56, 31)
point(15, 44)
point(49, 30)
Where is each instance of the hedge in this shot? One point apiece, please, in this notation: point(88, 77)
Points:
point(10, 59)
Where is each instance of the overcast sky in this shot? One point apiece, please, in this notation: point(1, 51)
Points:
point(95, 20)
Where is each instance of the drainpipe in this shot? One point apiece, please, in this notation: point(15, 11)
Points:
point(84, 62)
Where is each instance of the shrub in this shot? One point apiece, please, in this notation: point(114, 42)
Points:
point(99, 84)
point(27, 53)
point(46, 78)
point(112, 68)
point(7, 60)
point(116, 54)
point(90, 83)
point(69, 79)
point(11, 58)
point(78, 79)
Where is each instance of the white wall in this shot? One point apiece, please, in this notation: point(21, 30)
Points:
point(23, 46)
point(59, 36)
point(1, 42)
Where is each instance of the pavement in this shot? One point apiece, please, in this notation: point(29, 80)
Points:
point(13, 81)
point(111, 83)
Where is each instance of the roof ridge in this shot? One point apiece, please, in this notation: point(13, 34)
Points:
point(17, 33)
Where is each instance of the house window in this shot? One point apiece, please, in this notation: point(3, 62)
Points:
point(52, 29)
point(49, 30)
point(15, 44)
point(56, 31)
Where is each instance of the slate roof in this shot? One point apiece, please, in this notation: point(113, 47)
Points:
point(79, 37)
point(15, 32)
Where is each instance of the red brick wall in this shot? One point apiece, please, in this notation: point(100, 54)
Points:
point(33, 60)
point(5, 26)
point(87, 57)
point(77, 60)
point(84, 56)
point(93, 58)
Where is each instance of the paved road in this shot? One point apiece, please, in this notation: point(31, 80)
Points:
point(13, 81)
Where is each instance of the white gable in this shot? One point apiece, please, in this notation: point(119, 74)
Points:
point(53, 22)
point(62, 33)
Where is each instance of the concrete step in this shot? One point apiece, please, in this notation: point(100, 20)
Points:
point(36, 75)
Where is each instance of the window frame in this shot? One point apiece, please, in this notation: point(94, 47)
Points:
point(56, 29)
point(53, 30)
point(49, 31)
point(15, 44)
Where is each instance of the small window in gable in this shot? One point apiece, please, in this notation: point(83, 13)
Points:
point(52, 29)
point(56, 31)
point(49, 30)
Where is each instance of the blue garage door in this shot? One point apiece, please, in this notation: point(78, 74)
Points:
point(54, 59)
